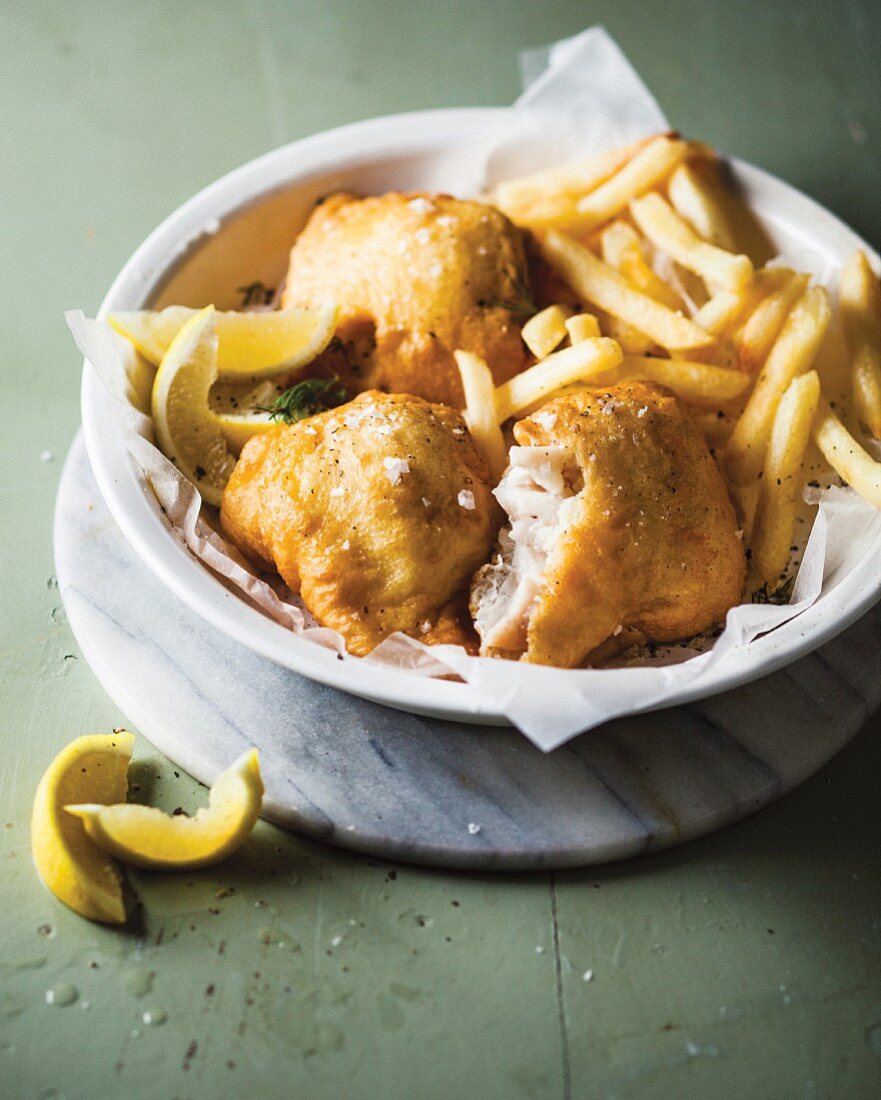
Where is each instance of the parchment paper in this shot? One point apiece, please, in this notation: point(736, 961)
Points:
point(582, 96)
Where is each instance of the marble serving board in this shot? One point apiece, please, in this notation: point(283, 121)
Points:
point(379, 781)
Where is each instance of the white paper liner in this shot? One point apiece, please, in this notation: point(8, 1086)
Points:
point(583, 96)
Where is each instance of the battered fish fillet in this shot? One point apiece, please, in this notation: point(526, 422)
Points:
point(416, 277)
point(618, 518)
point(376, 512)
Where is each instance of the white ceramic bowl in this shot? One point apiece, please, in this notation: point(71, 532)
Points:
point(240, 229)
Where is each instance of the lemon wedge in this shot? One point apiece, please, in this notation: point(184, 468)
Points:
point(241, 410)
point(75, 869)
point(188, 432)
point(250, 345)
point(147, 837)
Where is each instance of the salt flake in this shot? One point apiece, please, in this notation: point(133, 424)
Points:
point(466, 500)
point(545, 419)
point(395, 468)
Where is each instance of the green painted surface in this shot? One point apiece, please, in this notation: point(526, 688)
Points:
point(745, 964)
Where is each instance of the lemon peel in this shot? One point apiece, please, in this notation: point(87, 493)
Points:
point(70, 864)
point(147, 837)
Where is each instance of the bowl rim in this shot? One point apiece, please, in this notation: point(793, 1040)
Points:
point(135, 510)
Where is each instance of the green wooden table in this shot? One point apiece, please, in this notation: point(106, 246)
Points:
point(747, 963)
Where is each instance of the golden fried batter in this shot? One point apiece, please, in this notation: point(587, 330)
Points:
point(618, 518)
point(417, 277)
point(376, 512)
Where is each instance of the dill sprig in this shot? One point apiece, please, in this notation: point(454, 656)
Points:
point(520, 303)
point(256, 294)
point(781, 594)
point(307, 398)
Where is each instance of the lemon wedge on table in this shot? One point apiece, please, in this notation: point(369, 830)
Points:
point(188, 432)
point(147, 837)
point(250, 345)
point(71, 865)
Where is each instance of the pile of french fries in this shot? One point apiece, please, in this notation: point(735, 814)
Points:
point(654, 241)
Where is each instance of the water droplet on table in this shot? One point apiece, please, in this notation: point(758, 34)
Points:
point(31, 962)
point(138, 982)
point(62, 994)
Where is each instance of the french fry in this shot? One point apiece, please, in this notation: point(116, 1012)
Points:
point(792, 354)
point(622, 249)
point(756, 335)
point(546, 330)
point(713, 203)
point(580, 363)
point(668, 231)
point(601, 285)
point(697, 196)
point(583, 326)
point(696, 383)
point(745, 498)
point(777, 505)
point(847, 458)
point(545, 198)
point(720, 312)
point(716, 426)
point(726, 307)
point(652, 164)
point(615, 241)
point(632, 341)
point(551, 212)
point(860, 301)
point(480, 413)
